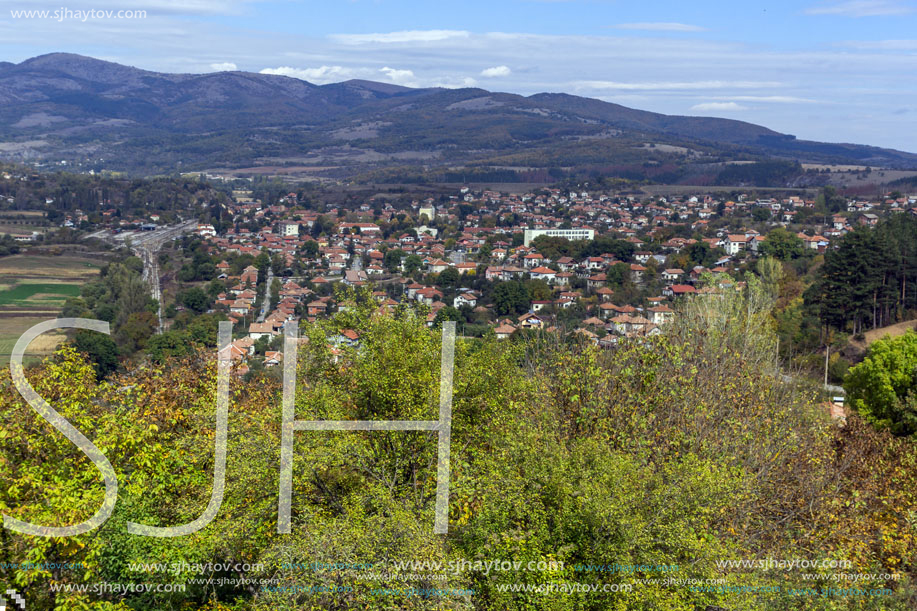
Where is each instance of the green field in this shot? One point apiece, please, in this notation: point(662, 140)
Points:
point(33, 288)
point(49, 295)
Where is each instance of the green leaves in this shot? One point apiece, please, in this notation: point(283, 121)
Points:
point(883, 387)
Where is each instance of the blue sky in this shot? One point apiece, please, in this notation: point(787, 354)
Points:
point(833, 70)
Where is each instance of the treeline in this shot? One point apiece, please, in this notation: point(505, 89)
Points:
point(122, 298)
point(62, 192)
point(870, 279)
point(760, 174)
point(8, 245)
point(554, 248)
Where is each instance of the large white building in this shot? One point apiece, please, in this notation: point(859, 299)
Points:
point(570, 234)
point(289, 228)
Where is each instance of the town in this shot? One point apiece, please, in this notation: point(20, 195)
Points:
point(600, 265)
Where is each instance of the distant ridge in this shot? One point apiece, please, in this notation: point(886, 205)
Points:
point(63, 105)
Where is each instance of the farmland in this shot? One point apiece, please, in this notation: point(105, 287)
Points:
point(33, 288)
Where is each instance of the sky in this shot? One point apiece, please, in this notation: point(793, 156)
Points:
point(829, 70)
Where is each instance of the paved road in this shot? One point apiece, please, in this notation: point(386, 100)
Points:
point(266, 303)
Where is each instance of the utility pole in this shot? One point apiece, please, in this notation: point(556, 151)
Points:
point(827, 352)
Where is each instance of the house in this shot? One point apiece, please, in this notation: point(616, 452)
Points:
point(466, 268)
point(468, 298)
point(539, 305)
point(605, 294)
point(288, 228)
point(532, 260)
point(661, 314)
point(355, 277)
point(257, 330)
point(504, 330)
point(437, 266)
point(596, 281)
point(735, 242)
point(206, 231)
point(428, 295)
point(673, 274)
point(676, 290)
point(637, 271)
point(543, 273)
point(316, 308)
point(249, 275)
point(531, 321)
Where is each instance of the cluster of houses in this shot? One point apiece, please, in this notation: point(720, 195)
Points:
point(494, 235)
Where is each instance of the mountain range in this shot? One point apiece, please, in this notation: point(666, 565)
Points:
point(70, 107)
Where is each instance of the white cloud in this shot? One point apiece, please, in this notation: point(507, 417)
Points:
point(454, 83)
point(225, 67)
point(660, 26)
point(320, 76)
point(405, 36)
point(777, 99)
point(862, 8)
point(496, 71)
point(886, 45)
point(718, 106)
point(674, 85)
point(400, 77)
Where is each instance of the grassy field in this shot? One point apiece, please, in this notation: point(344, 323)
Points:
point(12, 328)
point(43, 295)
point(33, 288)
point(62, 269)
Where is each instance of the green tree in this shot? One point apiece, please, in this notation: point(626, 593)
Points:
point(448, 313)
point(448, 278)
point(310, 249)
point(511, 298)
point(782, 244)
point(101, 349)
point(412, 263)
point(770, 270)
point(883, 388)
point(392, 260)
point(194, 298)
point(618, 274)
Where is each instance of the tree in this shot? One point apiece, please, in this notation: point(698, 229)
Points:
point(700, 253)
point(782, 244)
point(310, 249)
point(883, 388)
point(392, 260)
point(829, 199)
point(618, 274)
point(194, 298)
point(771, 272)
point(449, 277)
point(101, 350)
point(760, 214)
point(412, 263)
point(448, 313)
point(137, 329)
point(511, 298)
point(170, 344)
